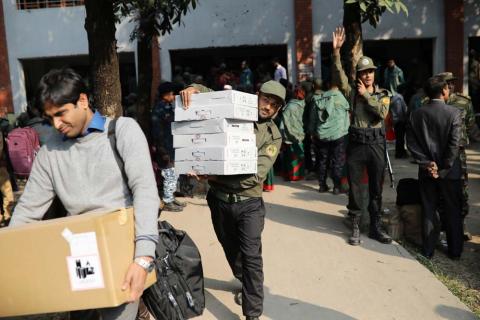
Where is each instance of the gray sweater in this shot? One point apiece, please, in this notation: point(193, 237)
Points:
point(84, 174)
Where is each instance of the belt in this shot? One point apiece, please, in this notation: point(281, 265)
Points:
point(229, 197)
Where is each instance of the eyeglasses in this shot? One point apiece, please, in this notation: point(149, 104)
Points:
point(271, 101)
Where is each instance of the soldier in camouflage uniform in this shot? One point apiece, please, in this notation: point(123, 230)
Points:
point(464, 103)
point(366, 149)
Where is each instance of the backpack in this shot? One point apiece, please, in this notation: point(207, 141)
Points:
point(179, 291)
point(23, 145)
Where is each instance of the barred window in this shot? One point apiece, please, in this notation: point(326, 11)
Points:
point(39, 4)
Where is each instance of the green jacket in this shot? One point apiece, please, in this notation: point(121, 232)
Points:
point(268, 141)
point(291, 124)
point(330, 117)
point(369, 110)
point(464, 103)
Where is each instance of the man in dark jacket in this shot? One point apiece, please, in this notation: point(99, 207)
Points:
point(434, 139)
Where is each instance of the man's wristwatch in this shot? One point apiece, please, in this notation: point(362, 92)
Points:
point(145, 264)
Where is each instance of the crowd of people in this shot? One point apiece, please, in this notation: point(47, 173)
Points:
point(331, 128)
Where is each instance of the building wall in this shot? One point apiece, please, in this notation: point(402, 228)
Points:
point(44, 33)
point(220, 23)
point(425, 20)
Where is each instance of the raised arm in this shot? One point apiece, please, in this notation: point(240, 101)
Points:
point(339, 78)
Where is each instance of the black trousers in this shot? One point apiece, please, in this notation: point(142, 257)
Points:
point(239, 227)
point(450, 191)
point(310, 165)
point(400, 130)
point(372, 158)
point(331, 155)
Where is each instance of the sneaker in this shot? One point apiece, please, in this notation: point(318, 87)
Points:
point(172, 207)
point(179, 203)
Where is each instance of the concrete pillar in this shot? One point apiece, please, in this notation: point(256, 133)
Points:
point(454, 23)
point(6, 101)
point(303, 38)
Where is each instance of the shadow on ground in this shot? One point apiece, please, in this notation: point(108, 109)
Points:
point(277, 307)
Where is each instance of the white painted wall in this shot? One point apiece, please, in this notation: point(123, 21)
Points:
point(47, 33)
point(221, 23)
point(425, 20)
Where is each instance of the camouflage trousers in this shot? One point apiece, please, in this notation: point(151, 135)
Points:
point(169, 184)
point(463, 160)
point(7, 194)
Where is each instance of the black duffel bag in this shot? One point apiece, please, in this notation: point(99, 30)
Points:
point(179, 291)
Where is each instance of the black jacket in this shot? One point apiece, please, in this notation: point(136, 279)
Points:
point(433, 135)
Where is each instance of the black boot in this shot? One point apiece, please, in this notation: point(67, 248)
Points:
point(376, 231)
point(354, 239)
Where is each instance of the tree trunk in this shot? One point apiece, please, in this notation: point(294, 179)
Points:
point(352, 50)
point(102, 50)
point(144, 54)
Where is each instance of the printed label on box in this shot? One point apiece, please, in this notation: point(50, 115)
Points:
point(85, 272)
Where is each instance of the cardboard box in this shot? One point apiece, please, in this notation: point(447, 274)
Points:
point(224, 97)
point(216, 153)
point(212, 126)
point(230, 167)
point(216, 139)
point(227, 111)
point(66, 264)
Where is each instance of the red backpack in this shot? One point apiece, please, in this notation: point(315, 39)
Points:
point(23, 145)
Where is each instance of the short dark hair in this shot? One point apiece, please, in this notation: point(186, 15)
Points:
point(59, 87)
point(434, 87)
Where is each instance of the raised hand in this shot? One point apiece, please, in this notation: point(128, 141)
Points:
point(338, 39)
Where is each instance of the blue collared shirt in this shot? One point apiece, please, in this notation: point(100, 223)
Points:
point(96, 124)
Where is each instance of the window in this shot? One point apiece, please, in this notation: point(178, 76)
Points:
point(38, 4)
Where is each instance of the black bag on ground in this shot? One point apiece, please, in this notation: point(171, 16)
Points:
point(408, 192)
point(179, 291)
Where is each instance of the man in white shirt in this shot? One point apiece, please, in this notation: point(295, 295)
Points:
point(280, 71)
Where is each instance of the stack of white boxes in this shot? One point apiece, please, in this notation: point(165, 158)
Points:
point(215, 135)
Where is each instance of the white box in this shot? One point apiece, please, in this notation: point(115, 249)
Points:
point(214, 139)
point(212, 126)
point(224, 97)
point(230, 167)
point(227, 111)
point(216, 153)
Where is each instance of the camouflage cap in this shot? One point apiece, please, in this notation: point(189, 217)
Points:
point(365, 63)
point(446, 76)
point(274, 88)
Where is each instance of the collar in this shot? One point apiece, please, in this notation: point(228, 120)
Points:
point(96, 124)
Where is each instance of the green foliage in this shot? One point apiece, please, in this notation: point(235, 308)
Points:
point(153, 17)
point(371, 10)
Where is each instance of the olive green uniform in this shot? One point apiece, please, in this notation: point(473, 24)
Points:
point(238, 216)
point(366, 149)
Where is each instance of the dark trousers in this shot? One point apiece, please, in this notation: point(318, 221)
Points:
point(400, 130)
point(331, 155)
point(372, 158)
point(450, 191)
point(308, 146)
point(239, 227)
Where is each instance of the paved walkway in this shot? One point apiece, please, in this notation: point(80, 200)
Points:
point(311, 272)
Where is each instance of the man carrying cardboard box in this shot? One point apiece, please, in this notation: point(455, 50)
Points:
point(79, 165)
point(236, 204)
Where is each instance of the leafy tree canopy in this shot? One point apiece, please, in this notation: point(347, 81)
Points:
point(153, 17)
point(371, 10)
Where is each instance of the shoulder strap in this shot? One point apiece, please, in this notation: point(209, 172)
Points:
point(112, 136)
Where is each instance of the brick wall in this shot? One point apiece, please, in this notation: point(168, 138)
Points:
point(6, 102)
point(454, 22)
point(303, 38)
